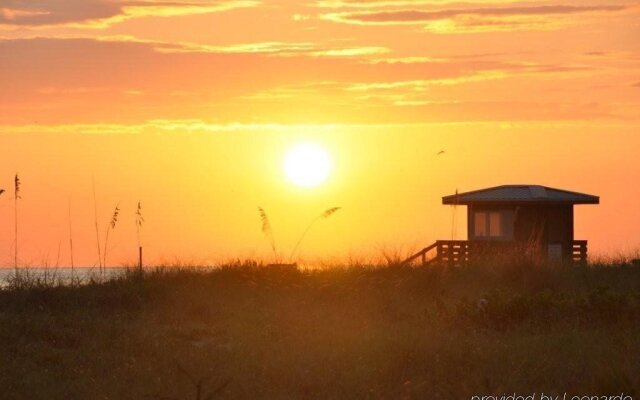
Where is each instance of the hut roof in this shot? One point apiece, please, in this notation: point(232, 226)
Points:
point(520, 194)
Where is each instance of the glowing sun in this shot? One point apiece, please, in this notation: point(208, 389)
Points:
point(307, 165)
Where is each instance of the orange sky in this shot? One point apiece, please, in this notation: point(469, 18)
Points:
point(190, 106)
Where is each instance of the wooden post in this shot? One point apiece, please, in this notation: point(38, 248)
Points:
point(140, 258)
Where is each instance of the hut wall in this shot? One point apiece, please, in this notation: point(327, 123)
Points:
point(541, 225)
point(532, 227)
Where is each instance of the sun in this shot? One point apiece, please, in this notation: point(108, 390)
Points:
point(307, 165)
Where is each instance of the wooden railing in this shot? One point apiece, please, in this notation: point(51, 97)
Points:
point(579, 252)
point(453, 252)
point(460, 252)
point(422, 254)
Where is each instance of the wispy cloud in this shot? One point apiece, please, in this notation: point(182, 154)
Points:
point(419, 16)
point(408, 60)
point(283, 49)
point(102, 13)
point(202, 126)
point(159, 126)
point(475, 19)
point(393, 3)
point(421, 85)
point(123, 78)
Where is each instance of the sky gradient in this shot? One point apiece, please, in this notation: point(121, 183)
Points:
point(190, 106)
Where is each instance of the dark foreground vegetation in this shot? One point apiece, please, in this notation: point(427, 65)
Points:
point(245, 332)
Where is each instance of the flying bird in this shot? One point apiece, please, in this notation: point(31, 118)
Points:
point(440, 152)
point(1, 191)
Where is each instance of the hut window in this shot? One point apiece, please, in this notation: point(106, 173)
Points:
point(495, 224)
point(490, 224)
point(480, 223)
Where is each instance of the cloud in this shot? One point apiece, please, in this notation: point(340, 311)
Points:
point(153, 126)
point(282, 49)
point(196, 125)
point(408, 60)
point(476, 19)
point(124, 79)
point(101, 13)
point(83, 79)
point(421, 85)
point(369, 3)
point(392, 3)
point(419, 16)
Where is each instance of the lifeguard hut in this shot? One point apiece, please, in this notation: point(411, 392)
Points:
point(514, 220)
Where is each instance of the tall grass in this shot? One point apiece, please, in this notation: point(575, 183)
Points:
point(112, 225)
point(16, 188)
point(368, 331)
point(71, 242)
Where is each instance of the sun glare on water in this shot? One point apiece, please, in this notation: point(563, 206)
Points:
point(307, 165)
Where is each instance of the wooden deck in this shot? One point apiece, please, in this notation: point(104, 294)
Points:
point(461, 252)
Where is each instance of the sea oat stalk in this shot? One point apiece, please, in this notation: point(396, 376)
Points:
point(112, 225)
point(268, 232)
point(139, 222)
point(15, 209)
point(326, 214)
